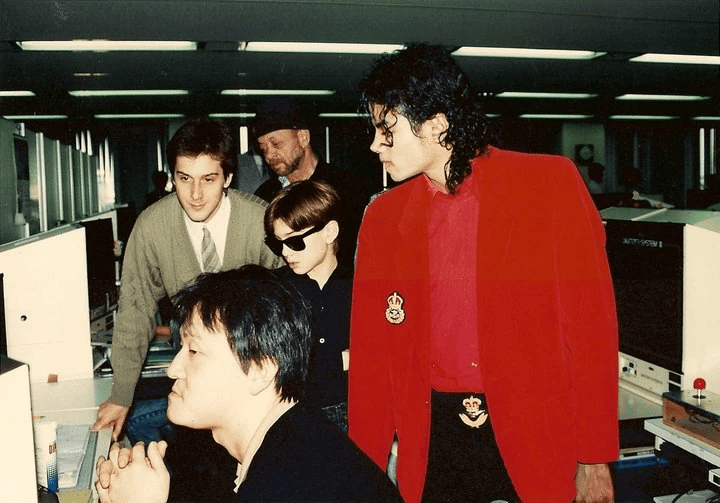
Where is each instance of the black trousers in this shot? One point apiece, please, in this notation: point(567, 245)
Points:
point(464, 463)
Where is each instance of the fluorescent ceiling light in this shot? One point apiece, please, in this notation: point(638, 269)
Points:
point(660, 97)
point(356, 115)
point(556, 116)
point(341, 115)
point(572, 96)
point(276, 92)
point(317, 47)
point(506, 52)
point(34, 117)
point(706, 118)
point(139, 116)
point(107, 45)
point(688, 59)
point(138, 92)
point(241, 115)
point(642, 117)
point(16, 94)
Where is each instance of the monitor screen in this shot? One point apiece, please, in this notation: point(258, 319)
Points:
point(646, 263)
point(3, 329)
point(99, 241)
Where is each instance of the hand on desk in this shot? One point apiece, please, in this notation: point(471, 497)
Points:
point(132, 476)
point(111, 414)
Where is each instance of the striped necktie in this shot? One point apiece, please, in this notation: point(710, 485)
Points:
point(210, 257)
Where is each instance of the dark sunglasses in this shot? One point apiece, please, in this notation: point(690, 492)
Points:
point(295, 243)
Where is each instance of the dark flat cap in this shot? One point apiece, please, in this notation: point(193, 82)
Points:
point(279, 113)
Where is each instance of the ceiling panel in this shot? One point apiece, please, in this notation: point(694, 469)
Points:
point(620, 27)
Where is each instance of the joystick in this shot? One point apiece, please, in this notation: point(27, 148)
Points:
point(699, 385)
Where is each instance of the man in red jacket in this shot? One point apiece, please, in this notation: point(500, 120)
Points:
point(483, 327)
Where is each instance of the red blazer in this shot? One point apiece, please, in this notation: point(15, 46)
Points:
point(548, 329)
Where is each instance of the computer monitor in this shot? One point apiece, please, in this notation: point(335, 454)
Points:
point(3, 330)
point(46, 304)
point(646, 262)
point(99, 242)
point(18, 478)
point(666, 278)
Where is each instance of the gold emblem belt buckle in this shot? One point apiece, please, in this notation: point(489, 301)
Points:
point(474, 416)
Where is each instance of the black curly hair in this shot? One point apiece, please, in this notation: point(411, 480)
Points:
point(419, 82)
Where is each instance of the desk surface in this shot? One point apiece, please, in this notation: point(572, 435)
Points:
point(75, 402)
point(633, 406)
point(78, 398)
point(701, 449)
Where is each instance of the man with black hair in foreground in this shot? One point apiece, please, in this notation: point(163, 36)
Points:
point(241, 373)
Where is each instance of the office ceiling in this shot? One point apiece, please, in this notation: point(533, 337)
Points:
point(621, 28)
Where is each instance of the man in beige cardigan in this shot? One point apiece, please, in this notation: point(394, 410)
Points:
point(165, 250)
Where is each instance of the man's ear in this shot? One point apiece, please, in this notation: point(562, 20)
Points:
point(438, 126)
point(227, 181)
point(303, 136)
point(331, 230)
point(262, 375)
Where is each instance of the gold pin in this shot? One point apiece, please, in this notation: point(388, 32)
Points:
point(394, 312)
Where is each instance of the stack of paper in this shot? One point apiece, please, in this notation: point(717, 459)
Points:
point(72, 441)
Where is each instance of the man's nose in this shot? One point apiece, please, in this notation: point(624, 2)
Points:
point(377, 143)
point(175, 370)
point(196, 190)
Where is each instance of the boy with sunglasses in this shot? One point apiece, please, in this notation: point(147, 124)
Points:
point(301, 225)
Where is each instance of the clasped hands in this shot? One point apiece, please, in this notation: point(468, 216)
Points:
point(132, 475)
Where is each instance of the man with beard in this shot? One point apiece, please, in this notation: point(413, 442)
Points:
point(282, 129)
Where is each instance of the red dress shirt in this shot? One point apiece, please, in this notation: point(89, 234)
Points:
point(454, 344)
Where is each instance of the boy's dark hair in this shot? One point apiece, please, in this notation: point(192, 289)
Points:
point(204, 137)
point(304, 204)
point(263, 317)
point(419, 82)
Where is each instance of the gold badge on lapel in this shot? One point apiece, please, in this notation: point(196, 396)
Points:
point(473, 416)
point(394, 312)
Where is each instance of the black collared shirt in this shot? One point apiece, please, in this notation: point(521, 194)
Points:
point(327, 384)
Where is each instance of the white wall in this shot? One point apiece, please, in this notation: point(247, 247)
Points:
point(578, 133)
